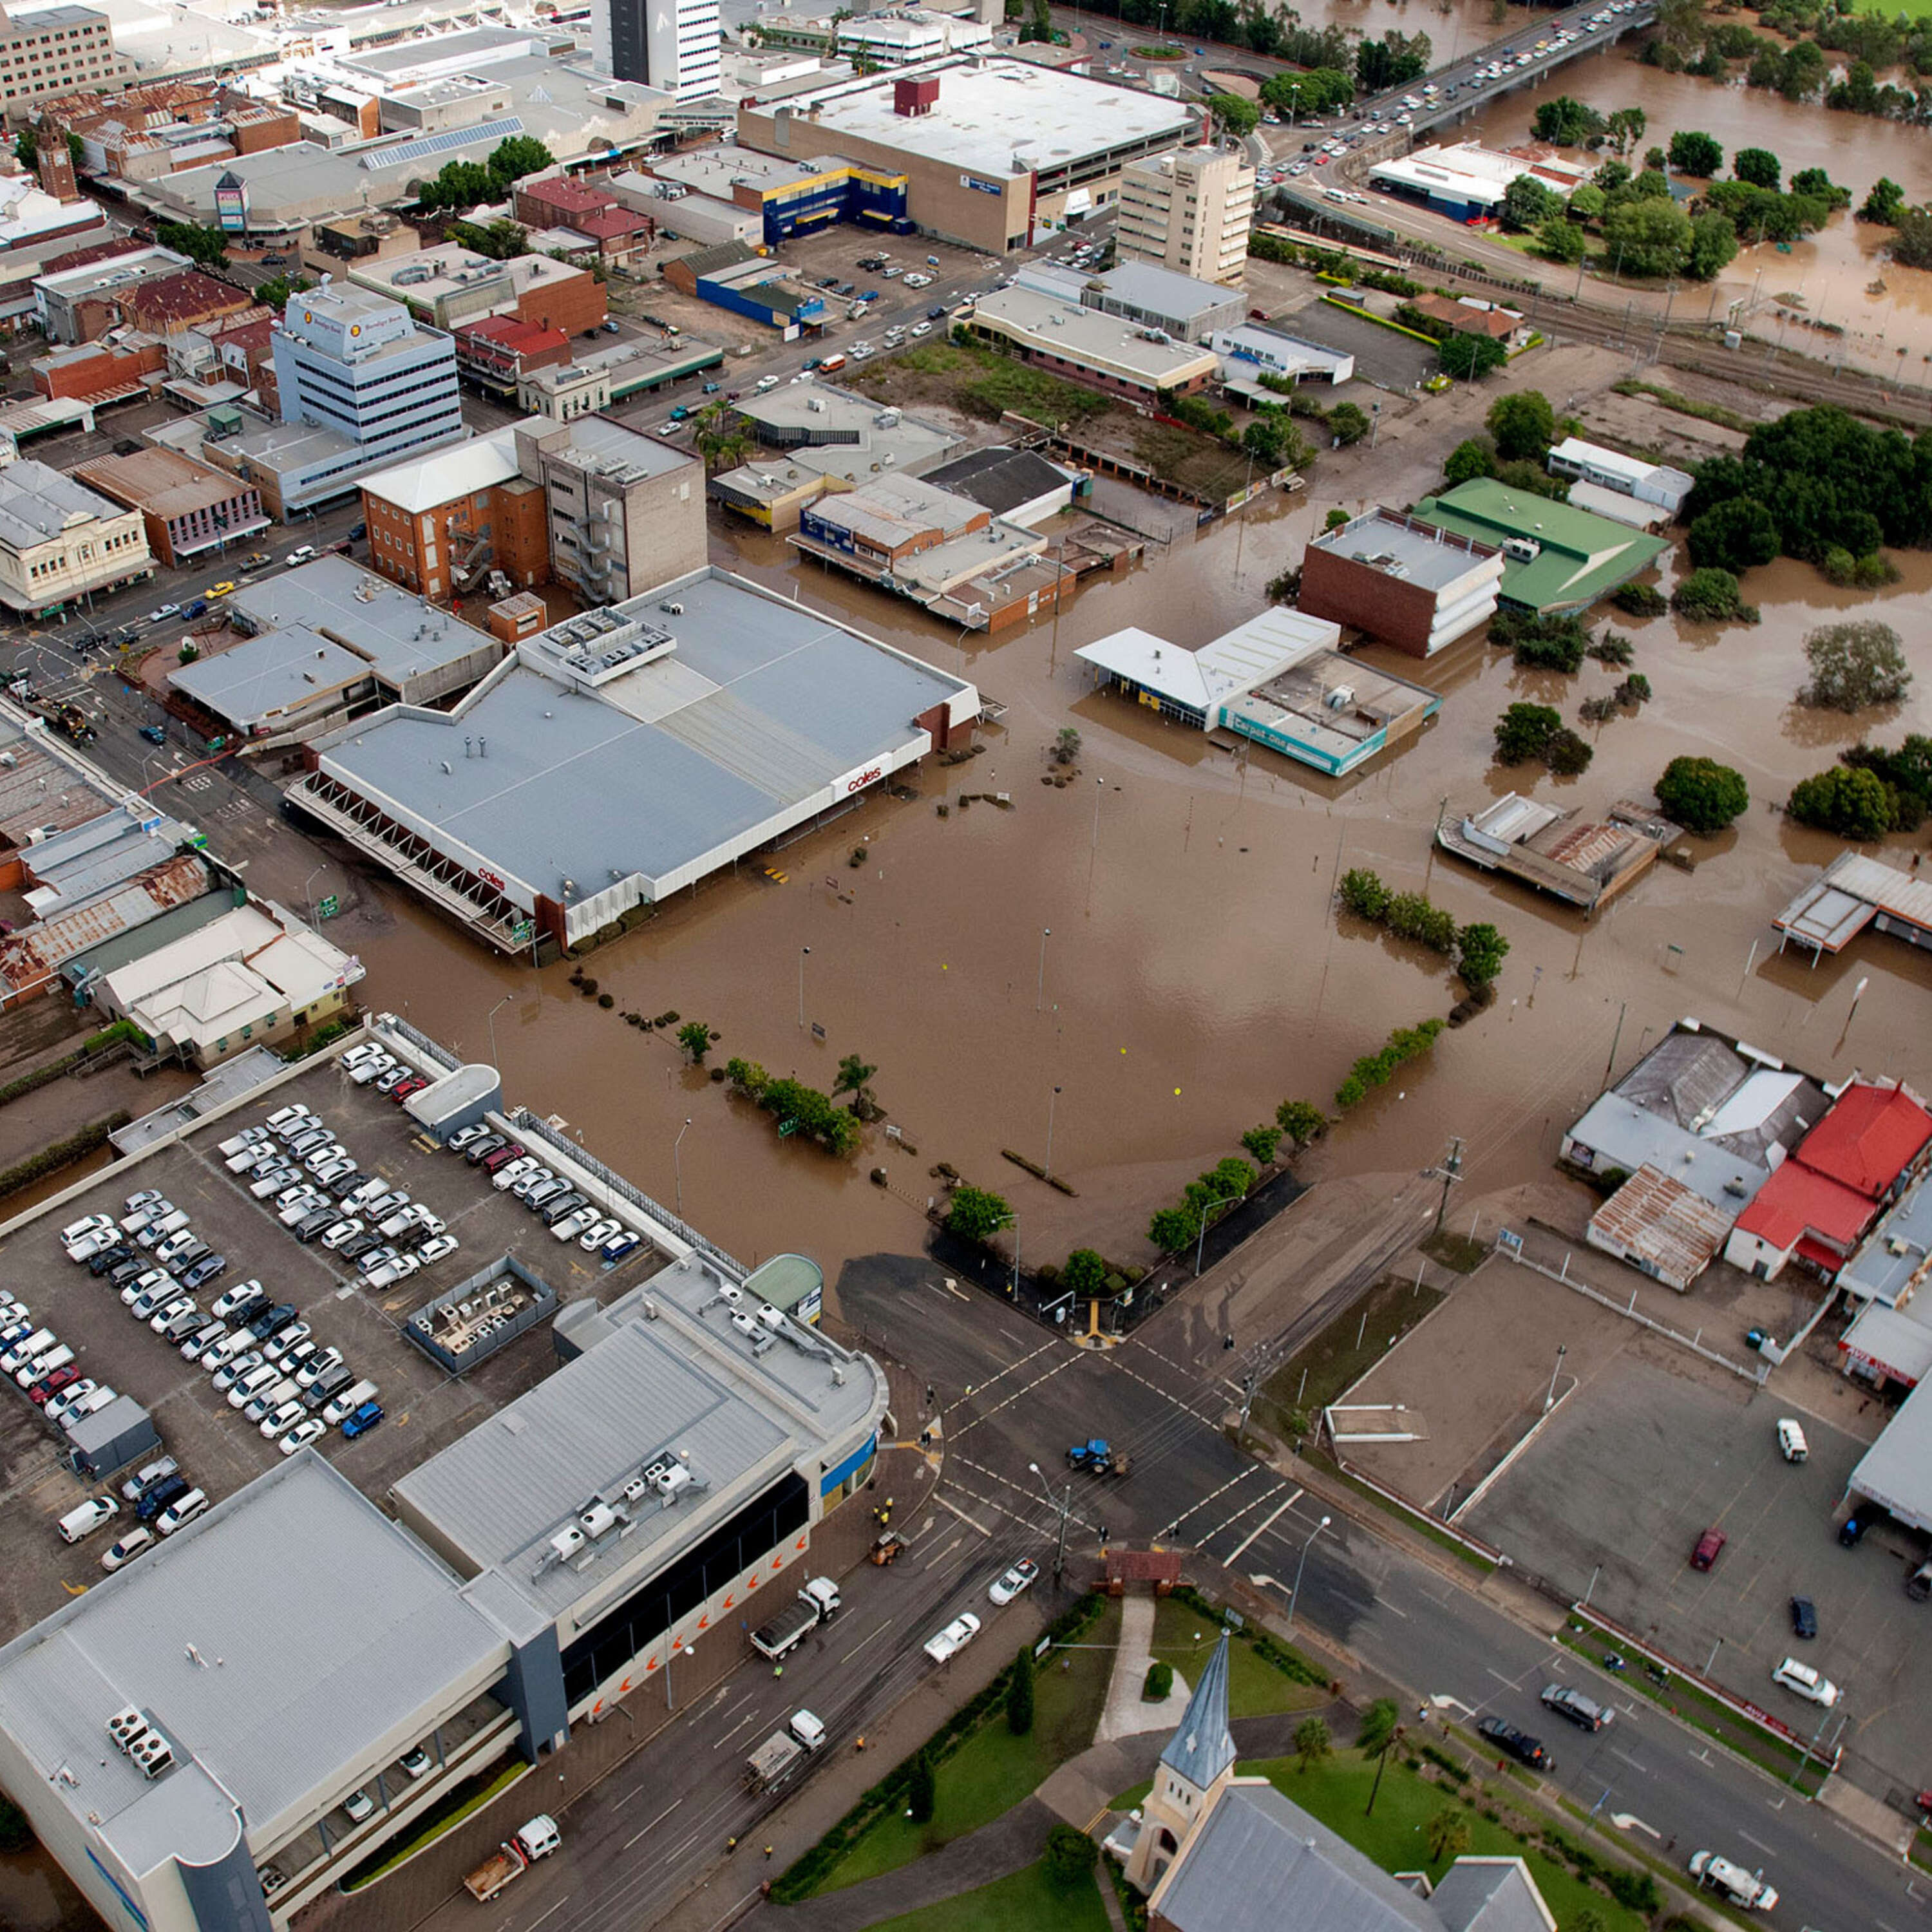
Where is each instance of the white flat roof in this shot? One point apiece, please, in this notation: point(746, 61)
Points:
point(1235, 663)
point(1085, 335)
point(457, 469)
point(1002, 118)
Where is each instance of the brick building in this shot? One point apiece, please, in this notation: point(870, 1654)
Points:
point(434, 522)
point(1407, 584)
point(56, 48)
point(188, 509)
point(616, 232)
point(497, 352)
point(100, 372)
point(184, 301)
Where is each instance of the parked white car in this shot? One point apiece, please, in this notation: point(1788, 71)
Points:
point(954, 1638)
point(1806, 1682)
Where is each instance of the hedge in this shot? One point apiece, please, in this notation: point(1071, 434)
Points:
point(801, 1878)
point(62, 1153)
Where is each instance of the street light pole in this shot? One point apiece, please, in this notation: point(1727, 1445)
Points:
point(1065, 1504)
point(1549, 1399)
point(1039, 997)
point(677, 1167)
point(1299, 1562)
point(492, 1023)
point(309, 896)
point(804, 954)
point(1053, 1098)
point(1200, 1239)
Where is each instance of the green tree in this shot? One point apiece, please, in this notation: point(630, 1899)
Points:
point(723, 438)
point(1301, 1121)
point(1854, 805)
point(1158, 1683)
point(1070, 1855)
point(1380, 1722)
point(1394, 61)
point(1692, 153)
point(1562, 240)
point(1526, 201)
point(1625, 128)
point(274, 292)
point(1523, 732)
point(747, 1077)
point(694, 1036)
point(1481, 950)
point(1815, 184)
point(501, 240)
point(1348, 422)
point(922, 1789)
point(977, 1213)
point(1470, 458)
point(207, 246)
point(1312, 1742)
point(1523, 424)
point(1714, 246)
point(1470, 357)
point(1262, 1142)
point(1566, 753)
point(1588, 202)
point(1019, 1693)
point(1239, 116)
point(1710, 596)
point(521, 154)
point(1884, 205)
point(1733, 536)
point(1363, 894)
point(1172, 1229)
point(1854, 665)
point(1566, 123)
point(1647, 237)
point(855, 1078)
point(27, 144)
point(1448, 1834)
point(1758, 166)
point(1700, 794)
point(1084, 1275)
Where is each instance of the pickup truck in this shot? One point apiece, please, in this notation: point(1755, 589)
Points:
point(817, 1603)
point(513, 1857)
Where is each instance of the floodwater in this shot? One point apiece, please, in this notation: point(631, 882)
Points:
point(1144, 963)
point(1834, 274)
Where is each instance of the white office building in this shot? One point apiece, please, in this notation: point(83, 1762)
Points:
point(672, 45)
point(1188, 211)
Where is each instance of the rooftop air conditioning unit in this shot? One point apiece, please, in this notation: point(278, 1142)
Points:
point(124, 1726)
point(1524, 550)
point(152, 1754)
point(567, 1542)
point(599, 1519)
point(671, 1484)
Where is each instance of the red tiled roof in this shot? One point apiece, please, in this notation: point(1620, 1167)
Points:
point(185, 297)
point(1796, 1200)
point(525, 338)
point(1869, 1138)
point(572, 197)
point(610, 224)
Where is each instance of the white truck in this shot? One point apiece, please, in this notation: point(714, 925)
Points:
point(1732, 1881)
point(513, 1857)
point(771, 1766)
point(816, 1603)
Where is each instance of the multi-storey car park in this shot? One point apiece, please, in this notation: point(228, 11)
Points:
point(266, 1669)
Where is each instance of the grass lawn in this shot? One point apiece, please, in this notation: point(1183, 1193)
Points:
point(1345, 1351)
point(1025, 1901)
point(979, 381)
point(1184, 1638)
point(1337, 1793)
point(993, 1770)
point(1194, 462)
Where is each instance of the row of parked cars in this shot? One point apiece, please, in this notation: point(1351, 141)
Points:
point(568, 1214)
point(318, 1191)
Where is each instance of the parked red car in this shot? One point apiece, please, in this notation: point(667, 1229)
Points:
point(1708, 1545)
point(44, 1392)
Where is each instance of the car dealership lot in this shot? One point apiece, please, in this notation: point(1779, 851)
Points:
point(218, 1449)
point(1627, 1475)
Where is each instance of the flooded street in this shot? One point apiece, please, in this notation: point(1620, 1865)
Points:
point(1831, 274)
point(1155, 940)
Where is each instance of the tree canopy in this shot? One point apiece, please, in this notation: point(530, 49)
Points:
point(1758, 166)
point(1700, 794)
point(1646, 237)
point(1854, 665)
point(1693, 153)
point(1470, 356)
point(207, 246)
point(1884, 205)
point(1394, 61)
point(1526, 201)
point(1523, 424)
point(1239, 116)
point(1568, 123)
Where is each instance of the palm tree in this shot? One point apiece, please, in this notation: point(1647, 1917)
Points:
point(855, 1078)
point(1448, 1836)
point(723, 439)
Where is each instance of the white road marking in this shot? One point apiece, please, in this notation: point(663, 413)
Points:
point(654, 1824)
point(1196, 1508)
point(1760, 1842)
point(1642, 1771)
point(749, 1717)
point(557, 1907)
point(867, 1638)
point(1625, 1821)
point(939, 1555)
point(1253, 1533)
point(944, 1504)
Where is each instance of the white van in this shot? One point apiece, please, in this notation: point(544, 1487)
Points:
point(348, 1402)
point(85, 1520)
point(184, 1509)
point(1791, 1443)
point(252, 1384)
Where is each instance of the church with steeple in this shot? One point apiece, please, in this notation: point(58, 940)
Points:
point(1215, 1853)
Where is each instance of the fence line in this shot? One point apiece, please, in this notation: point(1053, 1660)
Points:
point(532, 1126)
point(429, 1049)
point(1630, 1312)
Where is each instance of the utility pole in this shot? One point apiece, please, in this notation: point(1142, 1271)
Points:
point(1449, 1173)
point(1059, 1543)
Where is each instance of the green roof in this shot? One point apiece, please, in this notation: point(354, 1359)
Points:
point(1582, 555)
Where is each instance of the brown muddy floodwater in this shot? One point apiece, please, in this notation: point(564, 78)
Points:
point(1833, 274)
point(1193, 974)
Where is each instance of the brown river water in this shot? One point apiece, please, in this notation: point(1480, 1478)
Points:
point(1192, 974)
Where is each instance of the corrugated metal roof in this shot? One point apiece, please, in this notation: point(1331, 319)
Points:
point(1655, 1220)
point(1896, 1472)
point(364, 1620)
point(27, 958)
